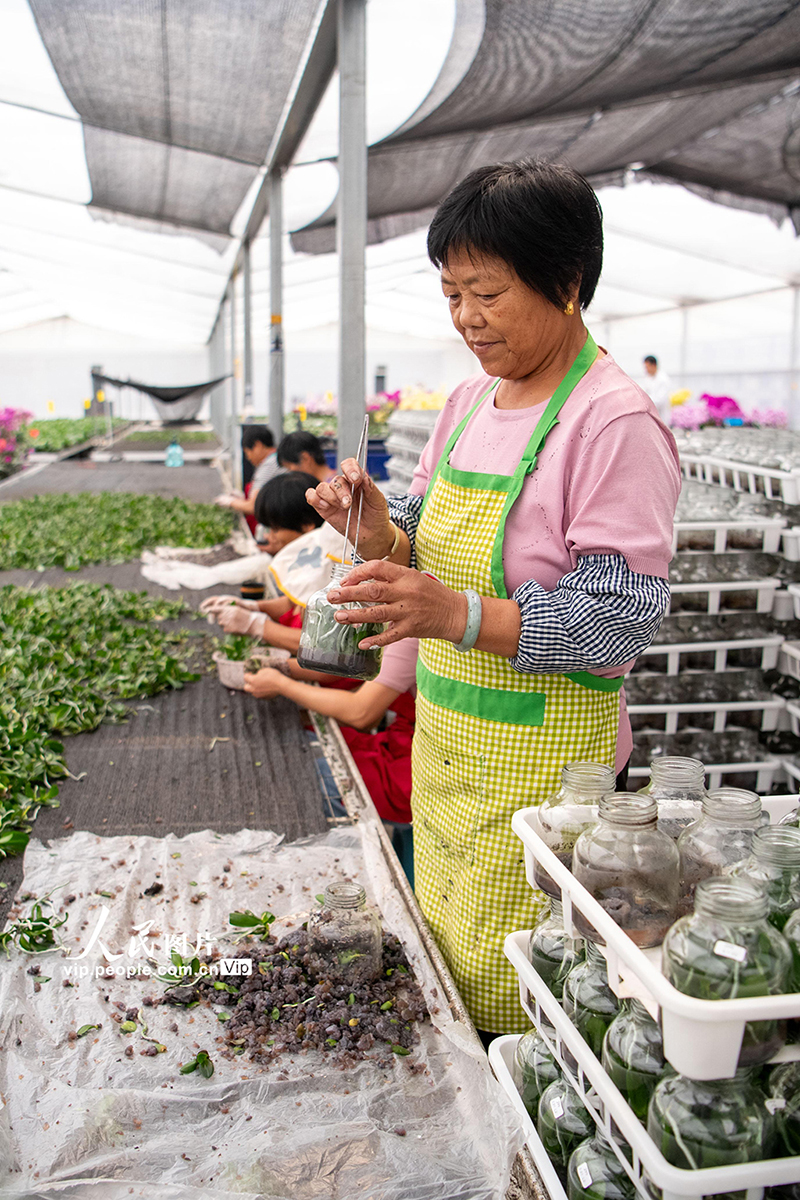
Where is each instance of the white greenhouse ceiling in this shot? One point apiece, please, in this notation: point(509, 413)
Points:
point(69, 250)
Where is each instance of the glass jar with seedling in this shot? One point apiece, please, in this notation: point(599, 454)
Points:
point(588, 999)
point(630, 867)
point(563, 1122)
point(329, 646)
point(344, 936)
point(711, 1123)
point(791, 931)
point(573, 808)
point(678, 785)
point(720, 838)
point(534, 1069)
point(783, 1089)
point(726, 950)
point(595, 1173)
point(552, 951)
point(633, 1055)
point(775, 864)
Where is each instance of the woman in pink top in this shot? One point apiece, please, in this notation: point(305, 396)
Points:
point(530, 557)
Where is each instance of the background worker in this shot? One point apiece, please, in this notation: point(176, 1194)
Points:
point(302, 546)
point(302, 451)
point(658, 386)
point(258, 447)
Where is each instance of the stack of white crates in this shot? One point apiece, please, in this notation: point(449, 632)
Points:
point(702, 1039)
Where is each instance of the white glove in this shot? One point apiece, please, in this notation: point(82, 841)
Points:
point(214, 603)
point(238, 620)
point(223, 501)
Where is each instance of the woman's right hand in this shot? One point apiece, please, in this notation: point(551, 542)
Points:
point(333, 501)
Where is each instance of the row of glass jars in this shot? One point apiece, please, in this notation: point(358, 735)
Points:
point(628, 861)
point(696, 1124)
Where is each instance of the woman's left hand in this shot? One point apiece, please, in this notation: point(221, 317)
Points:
point(264, 684)
point(413, 603)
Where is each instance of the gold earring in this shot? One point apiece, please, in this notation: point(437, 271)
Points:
point(570, 309)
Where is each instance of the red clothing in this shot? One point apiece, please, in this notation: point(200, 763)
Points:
point(384, 760)
point(251, 520)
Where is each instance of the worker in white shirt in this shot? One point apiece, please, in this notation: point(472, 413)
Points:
point(258, 447)
point(658, 386)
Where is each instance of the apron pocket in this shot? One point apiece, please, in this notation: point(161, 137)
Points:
point(449, 791)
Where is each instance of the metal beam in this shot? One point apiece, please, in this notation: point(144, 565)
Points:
point(276, 386)
point(248, 330)
point(794, 346)
point(351, 220)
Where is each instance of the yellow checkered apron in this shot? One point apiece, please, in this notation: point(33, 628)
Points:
point(489, 739)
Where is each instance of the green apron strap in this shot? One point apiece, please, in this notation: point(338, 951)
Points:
point(546, 423)
point(444, 458)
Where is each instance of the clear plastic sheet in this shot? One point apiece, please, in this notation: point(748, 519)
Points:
point(80, 1119)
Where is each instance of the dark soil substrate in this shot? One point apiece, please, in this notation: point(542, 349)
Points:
point(283, 1006)
point(349, 666)
point(192, 481)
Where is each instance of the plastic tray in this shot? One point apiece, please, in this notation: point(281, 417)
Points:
point(743, 477)
point(764, 774)
point(770, 529)
point(610, 1110)
point(769, 645)
point(702, 1038)
point(501, 1058)
point(670, 714)
point(763, 589)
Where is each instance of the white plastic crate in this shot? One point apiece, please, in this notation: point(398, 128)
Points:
point(674, 651)
point(743, 477)
point(764, 774)
point(611, 1111)
point(769, 529)
point(764, 590)
point(789, 663)
point(790, 544)
point(501, 1058)
point(669, 714)
point(702, 1038)
point(794, 591)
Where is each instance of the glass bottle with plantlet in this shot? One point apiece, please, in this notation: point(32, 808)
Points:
point(553, 953)
point(727, 950)
point(775, 864)
point(534, 1069)
point(563, 1122)
point(595, 1173)
point(783, 1086)
point(327, 645)
point(565, 815)
point(345, 935)
point(633, 1055)
point(630, 867)
point(588, 999)
point(711, 1123)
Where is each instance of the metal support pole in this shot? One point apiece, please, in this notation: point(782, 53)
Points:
point(276, 385)
point(684, 343)
point(233, 441)
point(351, 220)
point(794, 365)
point(248, 328)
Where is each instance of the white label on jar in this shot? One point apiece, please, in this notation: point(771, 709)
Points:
point(729, 950)
point(774, 1104)
point(585, 1175)
point(557, 1107)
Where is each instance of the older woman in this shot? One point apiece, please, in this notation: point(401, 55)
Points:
point(530, 557)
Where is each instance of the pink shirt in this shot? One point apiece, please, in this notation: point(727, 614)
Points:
point(606, 482)
point(399, 666)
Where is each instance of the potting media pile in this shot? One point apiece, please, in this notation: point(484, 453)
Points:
point(90, 1100)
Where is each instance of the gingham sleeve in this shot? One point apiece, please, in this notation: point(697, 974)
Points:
point(602, 614)
point(405, 511)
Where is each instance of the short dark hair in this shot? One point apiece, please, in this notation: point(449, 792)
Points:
point(281, 503)
point(295, 444)
point(651, 358)
point(542, 219)
point(251, 434)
